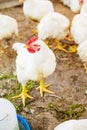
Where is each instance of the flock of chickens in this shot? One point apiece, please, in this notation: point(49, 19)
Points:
point(35, 60)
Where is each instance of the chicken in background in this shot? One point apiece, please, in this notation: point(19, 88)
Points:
point(36, 9)
point(34, 61)
point(82, 52)
point(54, 26)
point(80, 124)
point(79, 26)
point(82, 38)
point(8, 26)
point(84, 9)
point(66, 2)
point(75, 5)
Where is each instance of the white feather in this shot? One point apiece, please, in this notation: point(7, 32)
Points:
point(84, 9)
point(73, 125)
point(37, 9)
point(74, 5)
point(82, 51)
point(17, 46)
point(8, 26)
point(66, 2)
point(79, 26)
point(53, 25)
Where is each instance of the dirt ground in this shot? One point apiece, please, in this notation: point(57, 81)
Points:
point(69, 81)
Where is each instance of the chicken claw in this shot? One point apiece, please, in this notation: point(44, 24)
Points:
point(60, 47)
point(72, 49)
point(43, 88)
point(23, 95)
point(34, 32)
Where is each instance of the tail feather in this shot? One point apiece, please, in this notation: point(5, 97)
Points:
point(17, 46)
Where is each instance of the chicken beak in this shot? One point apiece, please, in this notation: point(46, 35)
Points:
point(26, 46)
point(21, 1)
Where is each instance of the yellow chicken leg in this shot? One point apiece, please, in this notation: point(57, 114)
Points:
point(34, 32)
point(21, 1)
point(43, 88)
point(85, 66)
point(72, 49)
point(60, 47)
point(23, 95)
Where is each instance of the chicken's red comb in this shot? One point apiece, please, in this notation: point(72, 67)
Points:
point(81, 1)
point(32, 40)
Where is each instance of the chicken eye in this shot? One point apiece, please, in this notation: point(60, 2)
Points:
point(35, 45)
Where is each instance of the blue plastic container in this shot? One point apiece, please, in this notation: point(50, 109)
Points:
point(23, 124)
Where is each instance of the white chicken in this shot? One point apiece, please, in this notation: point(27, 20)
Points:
point(54, 25)
point(8, 26)
point(75, 5)
point(79, 26)
point(35, 61)
point(80, 124)
point(66, 2)
point(82, 52)
point(84, 9)
point(37, 9)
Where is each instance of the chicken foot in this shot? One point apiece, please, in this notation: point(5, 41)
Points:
point(23, 95)
point(43, 88)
